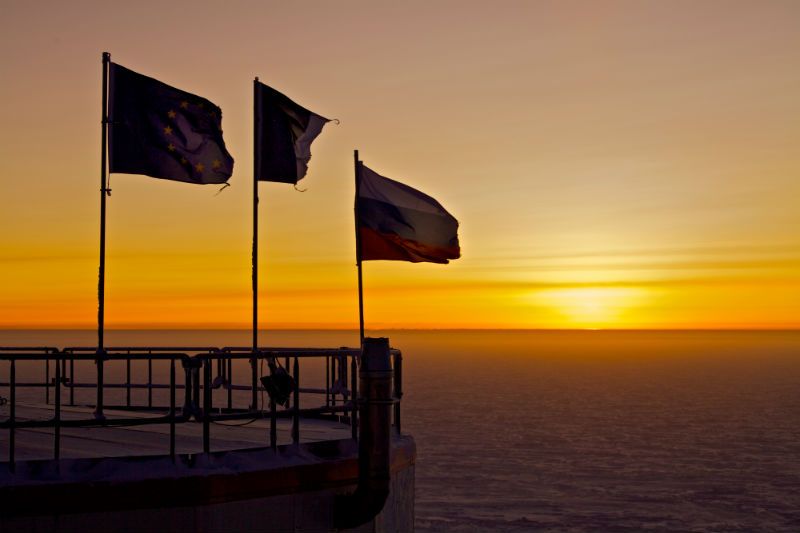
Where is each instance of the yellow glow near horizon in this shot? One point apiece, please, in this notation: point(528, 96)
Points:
point(591, 307)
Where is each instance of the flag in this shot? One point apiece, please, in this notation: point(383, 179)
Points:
point(285, 131)
point(398, 223)
point(163, 132)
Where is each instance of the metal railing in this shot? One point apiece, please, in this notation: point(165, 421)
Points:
point(198, 365)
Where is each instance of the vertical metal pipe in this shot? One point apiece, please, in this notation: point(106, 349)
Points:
point(296, 406)
point(128, 381)
point(353, 398)
point(374, 443)
point(334, 359)
point(99, 361)
point(206, 406)
point(187, 389)
point(196, 390)
point(254, 384)
point(172, 408)
point(327, 380)
point(375, 373)
point(12, 414)
point(343, 368)
point(149, 382)
point(230, 383)
point(71, 378)
point(273, 425)
point(47, 380)
point(57, 428)
point(398, 388)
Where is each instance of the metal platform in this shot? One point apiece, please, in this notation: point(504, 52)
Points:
point(141, 440)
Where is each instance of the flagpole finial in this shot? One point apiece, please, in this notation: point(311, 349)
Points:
point(106, 56)
point(256, 78)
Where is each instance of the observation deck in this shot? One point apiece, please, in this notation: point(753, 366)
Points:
point(121, 437)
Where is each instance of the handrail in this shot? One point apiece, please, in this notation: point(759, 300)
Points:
point(143, 349)
point(46, 349)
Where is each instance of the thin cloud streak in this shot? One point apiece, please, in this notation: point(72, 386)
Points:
point(743, 249)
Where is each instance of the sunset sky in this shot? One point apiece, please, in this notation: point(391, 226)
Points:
point(612, 164)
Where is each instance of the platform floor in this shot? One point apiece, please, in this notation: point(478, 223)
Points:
point(38, 443)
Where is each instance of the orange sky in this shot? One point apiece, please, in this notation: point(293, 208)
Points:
point(613, 164)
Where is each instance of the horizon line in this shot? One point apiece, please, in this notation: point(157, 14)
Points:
point(355, 329)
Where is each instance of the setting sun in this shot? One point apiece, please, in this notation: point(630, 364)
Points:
point(591, 307)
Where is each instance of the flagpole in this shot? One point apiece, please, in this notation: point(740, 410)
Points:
point(256, 154)
point(101, 278)
point(358, 250)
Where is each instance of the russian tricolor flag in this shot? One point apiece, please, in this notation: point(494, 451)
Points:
point(399, 223)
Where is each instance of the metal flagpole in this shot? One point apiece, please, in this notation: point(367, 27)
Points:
point(256, 161)
point(101, 278)
point(358, 249)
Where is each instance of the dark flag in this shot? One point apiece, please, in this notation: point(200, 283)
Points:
point(398, 223)
point(163, 132)
point(285, 131)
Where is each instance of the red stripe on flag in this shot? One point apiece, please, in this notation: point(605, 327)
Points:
point(392, 247)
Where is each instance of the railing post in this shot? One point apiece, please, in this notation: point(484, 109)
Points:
point(196, 388)
point(47, 380)
point(230, 382)
point(100, 362)
point(12, 416)
point(149, 382)
point(128, 380)
point(254, 397)
point(273, 425)
point(353, 397)
point(57, 429)
point(172, 408)
point(296, 402)
point(398, 388)
point(188, 408)
point(333, 379)
point(207, 405)
point(71, 376)
point(327, 380)
point(344, 381)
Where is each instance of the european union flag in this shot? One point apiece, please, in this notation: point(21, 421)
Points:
point(163, 132)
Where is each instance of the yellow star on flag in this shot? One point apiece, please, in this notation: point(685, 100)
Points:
point(199, 167)
point(168, 130)
point(171, 147)
point(184, 160)
point(216, 163)
point(171, 114)
point(184, 105)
